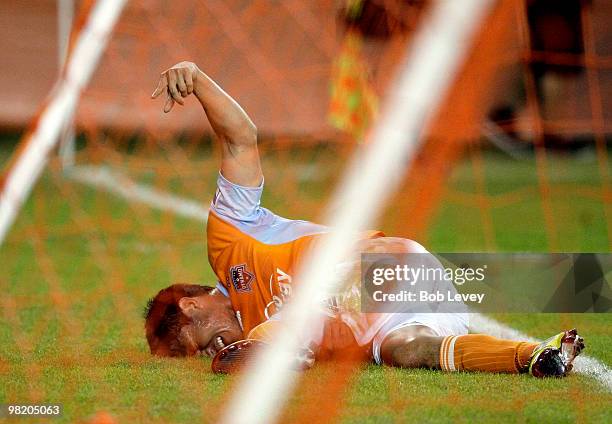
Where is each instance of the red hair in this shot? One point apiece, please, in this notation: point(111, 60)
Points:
point(164, 318)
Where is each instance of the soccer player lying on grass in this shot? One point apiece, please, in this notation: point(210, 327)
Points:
point(254, 252)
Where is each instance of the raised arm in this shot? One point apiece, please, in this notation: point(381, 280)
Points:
point(240, 157)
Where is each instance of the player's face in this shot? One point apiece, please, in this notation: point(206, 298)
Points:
point(213, 325)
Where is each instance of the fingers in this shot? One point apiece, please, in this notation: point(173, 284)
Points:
point(161, 86)
point(327, 336)
point(169, 102)
point(336, 340)
point(345, 335)
point(337, 335)
point(189, 82)
point(177, 82)
point(182, 86)
point(172, 86)
point(331, 339)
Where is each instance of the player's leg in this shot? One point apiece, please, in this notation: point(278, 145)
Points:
point(414, 346)
point(417, 345)
point(414, 339)
point(479, 352)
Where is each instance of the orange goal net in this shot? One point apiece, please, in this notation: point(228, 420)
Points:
point(515, 158)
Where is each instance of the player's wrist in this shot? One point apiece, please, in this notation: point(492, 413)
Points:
point(201, 84)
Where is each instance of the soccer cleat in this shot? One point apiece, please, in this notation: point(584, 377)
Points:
point(554, 357)
point(236, 356)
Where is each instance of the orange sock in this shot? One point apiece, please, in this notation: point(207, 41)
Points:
point(479, 352)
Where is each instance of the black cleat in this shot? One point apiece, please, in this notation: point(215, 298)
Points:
point(554, 357)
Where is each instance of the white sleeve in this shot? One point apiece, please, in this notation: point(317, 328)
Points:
point(240, 206)
point(237, 202)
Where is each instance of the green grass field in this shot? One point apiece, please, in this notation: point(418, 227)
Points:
point(80, 264)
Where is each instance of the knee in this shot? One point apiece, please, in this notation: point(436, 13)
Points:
point(414, 352)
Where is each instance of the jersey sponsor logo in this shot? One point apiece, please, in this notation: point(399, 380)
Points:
point(284, 283)
point(241, 278)
point(284, 289)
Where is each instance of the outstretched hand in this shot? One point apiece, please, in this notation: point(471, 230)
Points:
point(177, 82)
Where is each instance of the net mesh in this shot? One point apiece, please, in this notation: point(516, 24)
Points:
point(516, 160)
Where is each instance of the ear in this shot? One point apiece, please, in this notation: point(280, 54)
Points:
point(188, 305)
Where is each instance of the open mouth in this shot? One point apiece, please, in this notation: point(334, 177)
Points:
point(214, 346)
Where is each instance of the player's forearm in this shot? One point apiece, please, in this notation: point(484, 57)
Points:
point(229, 121)
point(239, 155)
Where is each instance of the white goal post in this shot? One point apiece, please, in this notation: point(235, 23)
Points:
point(58, 111)
point(65, 18)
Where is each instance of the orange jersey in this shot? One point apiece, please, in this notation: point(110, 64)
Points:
point(255, 252)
